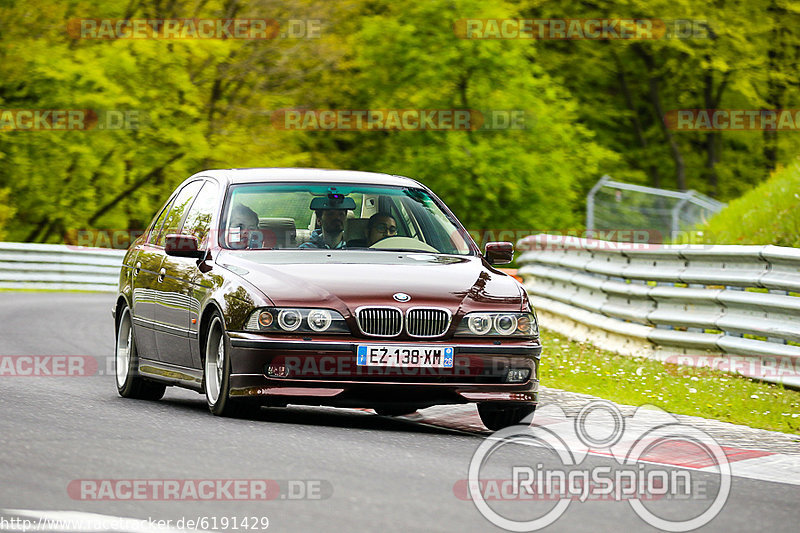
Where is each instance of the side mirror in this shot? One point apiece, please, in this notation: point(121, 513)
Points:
point(499, 253)
point(179, 245)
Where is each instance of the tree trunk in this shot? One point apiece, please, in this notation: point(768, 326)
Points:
point(711, 100)
point(658, 110)
point(138, 183)
point(655, 177)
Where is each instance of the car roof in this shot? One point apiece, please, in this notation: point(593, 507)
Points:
point(319, 175)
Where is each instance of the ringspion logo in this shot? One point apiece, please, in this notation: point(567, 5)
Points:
point(637, 448)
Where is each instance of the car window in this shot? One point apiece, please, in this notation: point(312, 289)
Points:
point(155, 228)
point(179, 206)
point(274, 216)
point(406, 220)
point(198, 220)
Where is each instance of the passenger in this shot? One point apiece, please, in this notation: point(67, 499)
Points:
point(242, 228)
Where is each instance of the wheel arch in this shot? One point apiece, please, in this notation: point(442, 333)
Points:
point(205, 322)
point(122, 302)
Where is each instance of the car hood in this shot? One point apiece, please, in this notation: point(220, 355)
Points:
point(345, 280)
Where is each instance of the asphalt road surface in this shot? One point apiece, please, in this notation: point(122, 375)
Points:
point(327, 469)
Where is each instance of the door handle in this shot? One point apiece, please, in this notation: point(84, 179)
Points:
point(161, 274)
point(137, 269)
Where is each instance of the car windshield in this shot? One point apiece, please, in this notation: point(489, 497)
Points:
point(339, 217)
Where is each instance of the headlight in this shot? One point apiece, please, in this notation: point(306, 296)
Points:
point(499, 324)
point(289, 319)
point(319, 319)
point(296, 320)
point(479, 324)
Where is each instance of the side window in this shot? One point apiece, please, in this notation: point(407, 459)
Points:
point(182, 202)
point(156, 227)
point(198, 220)
point(408, 221)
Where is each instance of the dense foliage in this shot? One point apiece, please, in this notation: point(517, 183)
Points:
point(768, 214)
point(591, 106)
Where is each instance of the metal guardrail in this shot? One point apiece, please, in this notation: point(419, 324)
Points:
point(736, 308)
point(730, 307)
point(58, 267)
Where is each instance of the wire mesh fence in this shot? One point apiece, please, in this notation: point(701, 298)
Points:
point(665, 214)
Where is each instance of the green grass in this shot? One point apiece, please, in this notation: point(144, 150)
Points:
point(583, 368)
point(767, 214)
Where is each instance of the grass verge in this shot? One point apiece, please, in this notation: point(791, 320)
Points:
point(584, 368)
point(767, 214)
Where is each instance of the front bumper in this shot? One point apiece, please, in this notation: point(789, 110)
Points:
point(323, 371)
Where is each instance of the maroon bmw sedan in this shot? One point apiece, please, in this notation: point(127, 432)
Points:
point(322, 287)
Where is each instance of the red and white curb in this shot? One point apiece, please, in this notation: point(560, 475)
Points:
point(753, 463)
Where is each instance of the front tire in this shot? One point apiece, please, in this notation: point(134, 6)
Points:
point(126, 365)
point(217, 374)
point(498, 416)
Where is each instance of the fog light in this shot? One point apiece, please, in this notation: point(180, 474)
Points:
point(518, 375)
point(277, 370)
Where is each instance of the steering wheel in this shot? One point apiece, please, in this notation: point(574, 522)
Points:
point(404, 243)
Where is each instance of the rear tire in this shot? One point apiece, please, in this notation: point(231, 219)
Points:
point(126, 364)
point(498, 416)
point(217, 374)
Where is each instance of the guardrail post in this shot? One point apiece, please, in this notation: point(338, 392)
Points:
point(590, 201)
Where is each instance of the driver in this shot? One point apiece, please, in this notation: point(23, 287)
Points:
point(331, 214)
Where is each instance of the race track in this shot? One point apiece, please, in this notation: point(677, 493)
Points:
point(364, 472)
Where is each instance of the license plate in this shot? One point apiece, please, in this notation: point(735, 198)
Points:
point(412, 356)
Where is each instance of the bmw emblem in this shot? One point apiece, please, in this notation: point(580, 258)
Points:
point(401, 297)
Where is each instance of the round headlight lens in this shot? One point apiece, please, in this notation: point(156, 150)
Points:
point(319, 319)
point(265, 319)
point(479, 324)
point(289, 319)
point(505, 324)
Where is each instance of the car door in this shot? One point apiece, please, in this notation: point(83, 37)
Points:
point(145, 277)
point(199, 221)
point(173, 286)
